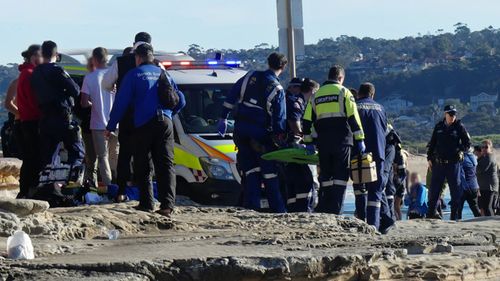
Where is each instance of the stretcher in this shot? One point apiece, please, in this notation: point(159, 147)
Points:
point(292, 155)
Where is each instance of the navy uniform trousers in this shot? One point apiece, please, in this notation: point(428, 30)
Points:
point(440, 172)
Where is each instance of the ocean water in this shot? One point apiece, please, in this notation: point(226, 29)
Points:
point(349, 207)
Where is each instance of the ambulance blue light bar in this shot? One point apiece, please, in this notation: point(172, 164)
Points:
point(202, 64)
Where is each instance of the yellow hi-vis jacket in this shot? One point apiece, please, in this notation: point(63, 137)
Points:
point(334, 114)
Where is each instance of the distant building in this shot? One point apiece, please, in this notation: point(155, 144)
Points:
point(396, 104)
point(483, 99)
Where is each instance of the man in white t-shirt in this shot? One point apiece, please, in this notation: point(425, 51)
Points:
point(101, 102)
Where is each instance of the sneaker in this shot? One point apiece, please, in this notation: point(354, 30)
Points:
point(386, 230)
point(121, 198)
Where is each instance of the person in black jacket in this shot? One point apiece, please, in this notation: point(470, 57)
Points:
point(111, 79)
point(56, 92)
point(445, 152)
point(487, 177)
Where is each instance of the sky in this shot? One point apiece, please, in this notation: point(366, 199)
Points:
point(235, 24)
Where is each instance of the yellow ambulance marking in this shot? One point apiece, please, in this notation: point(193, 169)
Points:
point(226, 148)
point(184, 158)
point(76, 68)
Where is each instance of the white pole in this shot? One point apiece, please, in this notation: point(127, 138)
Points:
point(291, 41)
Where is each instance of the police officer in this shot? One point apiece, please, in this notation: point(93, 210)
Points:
point(56, 92)
point(334, 114)
point(374, 122)
point(299, 177)
point(445, 152)
point(260, 125)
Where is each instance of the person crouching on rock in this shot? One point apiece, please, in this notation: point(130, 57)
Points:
point(416, 198)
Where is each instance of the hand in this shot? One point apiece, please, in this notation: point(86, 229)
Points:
point(279, 140)
point(310, 149)
point(430, 164)
point(222, 127)
point(107, 134)
point(361, 147)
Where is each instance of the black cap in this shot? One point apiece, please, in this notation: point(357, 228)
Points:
point(450, 109)
point(144, 49)
point(31, 51)
point(295, 82)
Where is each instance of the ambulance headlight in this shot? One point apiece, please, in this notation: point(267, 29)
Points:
point(216, 168)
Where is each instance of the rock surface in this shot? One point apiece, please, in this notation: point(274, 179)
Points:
point(204, 243)
point(9, 172)
point(23, 207)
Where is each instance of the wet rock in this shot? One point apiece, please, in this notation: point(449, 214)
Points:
point(23, 207)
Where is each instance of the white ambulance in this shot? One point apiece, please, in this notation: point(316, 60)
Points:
point(205, 161)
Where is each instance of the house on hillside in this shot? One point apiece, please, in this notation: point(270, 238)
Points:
point(483, 99)
point(396, 104)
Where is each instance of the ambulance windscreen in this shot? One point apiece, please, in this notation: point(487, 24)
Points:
point(203, 108)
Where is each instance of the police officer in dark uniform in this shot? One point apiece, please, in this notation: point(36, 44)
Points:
point(374, 121)
point(445, 152)
point(299, 177)
point(260, 126)
point(56, 92)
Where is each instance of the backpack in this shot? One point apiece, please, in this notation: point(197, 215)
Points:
point(168, 96)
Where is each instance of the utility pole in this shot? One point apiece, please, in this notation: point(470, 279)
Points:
point(291, 42)
point(291, 32)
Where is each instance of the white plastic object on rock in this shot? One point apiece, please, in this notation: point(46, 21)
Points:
point(19, 246)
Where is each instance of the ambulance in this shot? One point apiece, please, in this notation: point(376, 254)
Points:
point(205, 162)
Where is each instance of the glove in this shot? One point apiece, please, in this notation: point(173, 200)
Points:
point(361, 147)
point(279, 140)
point(222, 127)
point(310, 149)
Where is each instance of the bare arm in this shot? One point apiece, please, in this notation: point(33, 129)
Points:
point(10, 98)
point(85, 100)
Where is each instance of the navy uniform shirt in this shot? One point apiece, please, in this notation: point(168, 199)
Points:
point(54, 88)
point(448, 141)
point(374, 121)
point(295, 106)
point(260, 99)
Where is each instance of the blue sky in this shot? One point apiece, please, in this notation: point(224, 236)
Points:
point(175, 24)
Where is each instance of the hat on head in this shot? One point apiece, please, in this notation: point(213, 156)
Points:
point(450, 109)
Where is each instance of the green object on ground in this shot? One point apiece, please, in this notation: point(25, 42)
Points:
point(292, 155)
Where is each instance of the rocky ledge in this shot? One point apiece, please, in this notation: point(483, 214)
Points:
point(206, 243)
